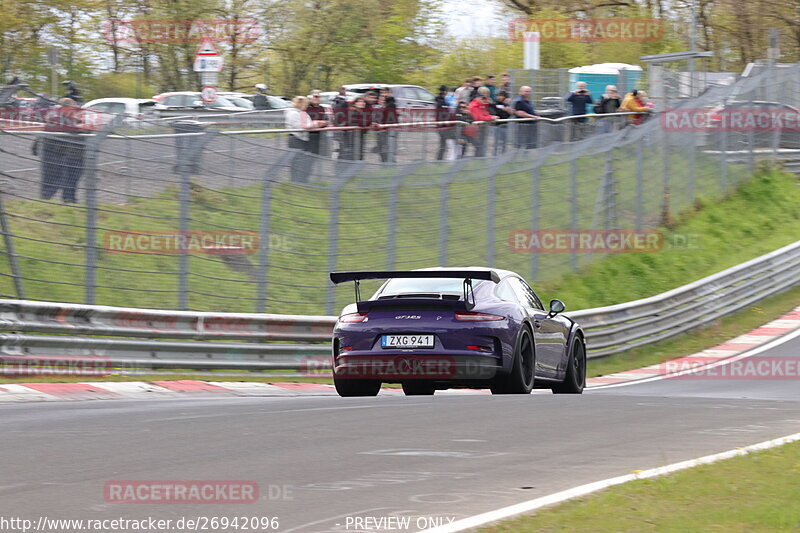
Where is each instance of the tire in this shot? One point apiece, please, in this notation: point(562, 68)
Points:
point(520, 379)
point(419, 388)
point(356, 387)
point(575, 380)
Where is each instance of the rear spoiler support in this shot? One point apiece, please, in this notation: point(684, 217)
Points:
point(466, 275)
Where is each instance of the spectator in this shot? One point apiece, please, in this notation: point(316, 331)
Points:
point(443, 114)
point(462, 94)
point(477, 81)
point(609, 102)
point(523, 108)
point(634, 103)
point(479, 109)
point(387, 114)
point(465, 133)
point(450, 97)
point(72, 92)
point(339, 110)
point(502, 109)
point(578, 100)
point(357, 116)
point(298, 119)
point(490, 84)
point(62, 155)
point(505, 83)
point(316, 113)
point(260, 101)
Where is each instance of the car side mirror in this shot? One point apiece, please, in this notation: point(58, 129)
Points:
point(556, 307)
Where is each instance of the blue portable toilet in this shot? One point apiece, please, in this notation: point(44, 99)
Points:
point(624, 76)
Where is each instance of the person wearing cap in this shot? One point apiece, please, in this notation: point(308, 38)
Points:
point(260, 101)
point(490, 84)
point(339, 112)
point(316, 112)
point(446, 133)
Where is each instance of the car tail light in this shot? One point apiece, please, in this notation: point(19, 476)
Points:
point(477, 317)
point(479, 348)
point(353, 318)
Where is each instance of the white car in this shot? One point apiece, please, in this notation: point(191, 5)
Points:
point(136, 110)
point(188, 101)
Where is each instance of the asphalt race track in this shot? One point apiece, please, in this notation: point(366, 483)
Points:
point(322, 461)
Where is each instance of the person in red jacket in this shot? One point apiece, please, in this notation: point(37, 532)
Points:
point(479, 108)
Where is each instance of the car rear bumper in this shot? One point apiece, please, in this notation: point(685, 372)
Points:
point(397, 367)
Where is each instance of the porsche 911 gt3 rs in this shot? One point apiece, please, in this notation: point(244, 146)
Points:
point(455, 327)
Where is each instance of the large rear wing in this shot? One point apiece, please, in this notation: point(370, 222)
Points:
point(466, 275)
point(341, 277)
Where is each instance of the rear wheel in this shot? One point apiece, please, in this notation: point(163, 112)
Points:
point(356, 387)
point(419, 388)
point(520, 380)
point(575, 380)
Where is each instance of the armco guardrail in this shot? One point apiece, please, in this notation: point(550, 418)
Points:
point(192, 340)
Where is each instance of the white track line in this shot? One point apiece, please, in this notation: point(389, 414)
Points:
point(564, 495)
point(743, 355)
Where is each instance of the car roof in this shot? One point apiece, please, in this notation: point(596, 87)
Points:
point(121, 99)
point(500, 273)
point(377, 85)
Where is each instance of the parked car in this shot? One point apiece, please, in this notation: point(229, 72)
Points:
point(193, 101)
point(135, 110)
point(415, 103)
point(243, 100)
point(328, 96)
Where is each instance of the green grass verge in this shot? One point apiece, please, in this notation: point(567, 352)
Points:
point(752, 493)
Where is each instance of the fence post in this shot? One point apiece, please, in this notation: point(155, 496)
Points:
point(90, 166)
point(333, 229)
point(263, 233)
point(639, 186)
point(188, 163)
point(665, 200)
point(573, 209)
point(397, 179)
point(12, 256)
point(610, 194)
point(443, 215)
point(534, 219)
point(692, 168)
point(723, 161)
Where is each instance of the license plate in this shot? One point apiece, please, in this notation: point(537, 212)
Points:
point(407, 341)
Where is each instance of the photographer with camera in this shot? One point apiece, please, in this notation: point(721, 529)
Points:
point(579, 100)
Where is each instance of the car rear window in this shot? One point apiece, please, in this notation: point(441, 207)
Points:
point(422, 285)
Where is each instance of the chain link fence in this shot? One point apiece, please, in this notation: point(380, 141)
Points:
point(217, 216)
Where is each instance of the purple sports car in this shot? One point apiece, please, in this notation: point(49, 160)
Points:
point(455, 328)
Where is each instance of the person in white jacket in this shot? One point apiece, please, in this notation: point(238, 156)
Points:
point(297, 119)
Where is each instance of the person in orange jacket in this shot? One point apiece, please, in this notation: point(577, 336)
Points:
point(633, 102)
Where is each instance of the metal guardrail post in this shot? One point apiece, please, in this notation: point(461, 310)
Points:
point(333, 229)
point(264, 227)
point(610, 194)
point(665, 182)
point(8, 241)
